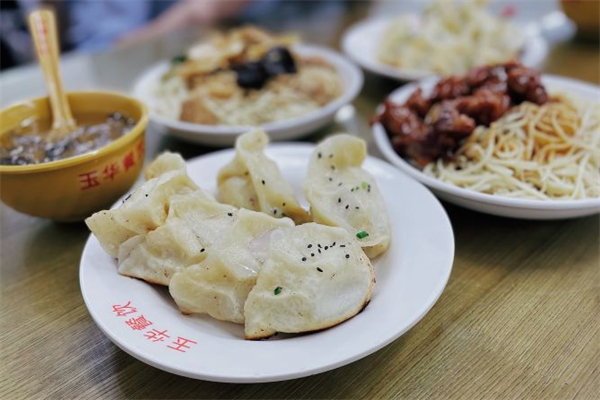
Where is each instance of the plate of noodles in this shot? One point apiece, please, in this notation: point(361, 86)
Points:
point(244, 78)
point(501, 140)
point(447, 38)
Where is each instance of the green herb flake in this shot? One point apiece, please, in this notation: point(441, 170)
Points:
point(364, 185)
point(179, 59)
point(277, 290)
point(362, 234)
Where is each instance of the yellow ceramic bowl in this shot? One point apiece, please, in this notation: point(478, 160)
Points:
point(74, 188)
point(586, 15)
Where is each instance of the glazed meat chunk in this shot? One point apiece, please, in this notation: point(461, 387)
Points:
point(525, 84)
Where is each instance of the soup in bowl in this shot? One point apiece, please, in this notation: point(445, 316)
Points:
point(69, 178)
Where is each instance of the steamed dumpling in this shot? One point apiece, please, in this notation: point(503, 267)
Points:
point(141, 212)
point(147, 207)
point(219, 285)
point(109, 232)
point(343, 194)
point(193, 225)
point(253, 181)
point(166, 162)
point(315, 277)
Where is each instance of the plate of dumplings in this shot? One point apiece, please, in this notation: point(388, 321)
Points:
point(266, 262)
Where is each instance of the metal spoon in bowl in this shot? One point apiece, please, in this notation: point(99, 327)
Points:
point(42, 24)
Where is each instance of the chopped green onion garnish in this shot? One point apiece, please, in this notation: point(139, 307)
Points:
point(277, 290)
point(178, 59)
point(364, 185)
point(362, 234)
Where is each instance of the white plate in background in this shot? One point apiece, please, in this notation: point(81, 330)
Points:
point(487, 203)
point(225, 135)
point(361, 43)
point(411, 275)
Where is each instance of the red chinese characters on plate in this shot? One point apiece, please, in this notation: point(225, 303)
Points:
point(139, 322)
point(123, 310)
point(156, 336)
point(181, 343)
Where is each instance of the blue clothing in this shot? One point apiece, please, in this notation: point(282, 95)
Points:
point(96, 24)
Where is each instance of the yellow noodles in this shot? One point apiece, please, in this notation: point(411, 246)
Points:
point(537, 152)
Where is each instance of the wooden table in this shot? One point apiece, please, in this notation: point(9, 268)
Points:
point(519, 319)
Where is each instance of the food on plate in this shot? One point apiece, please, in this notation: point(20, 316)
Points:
point(496, 130)
point(194, 223)
point(542, 152)
point(142, 211)
point(253, 181)
point(244, 266)
point(166, 162)
point(341, 193)
point(28, 143)
point(450, 38)
point(163, 226)
point(219, 285)
point(246, 76)
point(431, 126)
point(314, 277)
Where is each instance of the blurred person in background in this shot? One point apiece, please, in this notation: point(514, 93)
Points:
point(96, 25)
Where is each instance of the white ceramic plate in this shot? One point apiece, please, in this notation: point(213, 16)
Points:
point(497, 205)
point(223, 135)
point(361, 42)
point(411, 275)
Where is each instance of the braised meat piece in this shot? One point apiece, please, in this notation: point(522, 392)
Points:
point(488, 77)
point(402, 121)
point(479, 75)
point(448, 121)
point(495, 85)
point(427, 128)
point(511, 64)
point(525, 84)
point(485, 106)
point(418, 103)
point(450, 88)
point(421, 151)
point(411, 136)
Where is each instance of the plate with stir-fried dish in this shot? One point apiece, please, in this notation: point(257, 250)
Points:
point(248, 77)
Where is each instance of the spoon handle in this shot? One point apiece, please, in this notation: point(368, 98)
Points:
point(42, 24)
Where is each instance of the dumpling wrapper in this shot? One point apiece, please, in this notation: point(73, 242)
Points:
point(193, 225)
point(220, 284)
point(343, 194)
point(166, 162)
point(253, 181)
point(143, 211)
point(147, 207)
point(302, 288)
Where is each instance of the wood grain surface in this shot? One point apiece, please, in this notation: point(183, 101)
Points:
point(519, 319)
